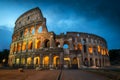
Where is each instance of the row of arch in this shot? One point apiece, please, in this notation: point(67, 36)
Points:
point(27, 31)
point(36, 61)
point(46, 44)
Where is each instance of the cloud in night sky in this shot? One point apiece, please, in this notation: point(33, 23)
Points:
point(101, 17)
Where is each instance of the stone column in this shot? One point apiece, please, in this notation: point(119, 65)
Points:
point(51, 41)
point(41, 60)
point(50, 60)
point(33, 45)
point(61, 60)
point(32, 62)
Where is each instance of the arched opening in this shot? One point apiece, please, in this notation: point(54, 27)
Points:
point(58, 44)
point(79, 46)
point(84, 48)
point(98, 49)
point(47, 43)
point(46, 61)
point(75, 63)
point(25, 32)
point(29, 60)
point(66, 45)
point(19, 47)
point(37, 44)
point(36, 60)
point(91, 62)
point(33, 31)
point(96, 62)
point(17, 61)
point(56, 61)
point(24, 46)
point(30, 45)
point(86, 61)
point(40, 29)
point(90, 49)
point(66, 62)
point(23, 61)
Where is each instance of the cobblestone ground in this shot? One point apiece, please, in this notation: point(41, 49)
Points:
point(80, 75)
point(29, 75)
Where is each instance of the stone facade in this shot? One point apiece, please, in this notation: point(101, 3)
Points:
point(32, 45)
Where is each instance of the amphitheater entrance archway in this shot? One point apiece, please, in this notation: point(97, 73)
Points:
point(56, 61)
point(91, 62)
point(46, 61)
point(67, 62)
point(47, 43)
point(36, 60)
point(86, 61)
point(75, 63)
point(23, 61)
point(29, 60)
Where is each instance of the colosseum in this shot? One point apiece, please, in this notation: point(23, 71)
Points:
point(34, 46)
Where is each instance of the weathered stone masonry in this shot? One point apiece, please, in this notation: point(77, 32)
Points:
point(32, 45)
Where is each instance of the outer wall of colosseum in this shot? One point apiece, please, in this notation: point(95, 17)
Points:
point(32, 46)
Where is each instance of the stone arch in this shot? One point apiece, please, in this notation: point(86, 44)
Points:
point(36, 60)
point(46, 61)
point(19, 47)
point(66, 44)
point(24, 46)
point(38, 28)
point(91, 62)
point(29, 60)
point(56, 61)
point(98, 49)
point(67, 62)
point(25, 32)
point(75, 63)
point(32, 30)
point(17, 61)
point(96, 62)
point(86, 61)
point(30, 45)
point(46, 43)
point(37, 44)
point(90, 49)
point(79, 46)
point(22, 60)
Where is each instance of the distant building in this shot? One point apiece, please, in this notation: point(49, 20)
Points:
point(32, 45)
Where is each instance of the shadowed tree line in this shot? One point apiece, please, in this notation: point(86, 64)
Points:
point(115, 57)
point(4, 57)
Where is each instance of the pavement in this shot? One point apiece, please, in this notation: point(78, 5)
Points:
point(49, 75)
point(80, 75)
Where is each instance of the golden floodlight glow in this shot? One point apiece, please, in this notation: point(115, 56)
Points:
point(46, 60)
point(98, 48)
point(55, 60)
point(68, 59)
point(17, 61)
point(23, 61)
point(37, 60)
point(90, 49)
point(29, 60)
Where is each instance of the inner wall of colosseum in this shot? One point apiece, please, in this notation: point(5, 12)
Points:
point(33, 46)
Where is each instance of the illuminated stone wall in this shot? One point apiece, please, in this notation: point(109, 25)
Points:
point(32, 45)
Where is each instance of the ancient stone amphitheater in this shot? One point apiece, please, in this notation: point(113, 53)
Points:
point(33, 46)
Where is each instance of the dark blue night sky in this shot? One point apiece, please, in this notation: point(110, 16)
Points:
point(101, 17)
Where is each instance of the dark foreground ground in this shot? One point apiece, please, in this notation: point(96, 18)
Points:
point(31, 74)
